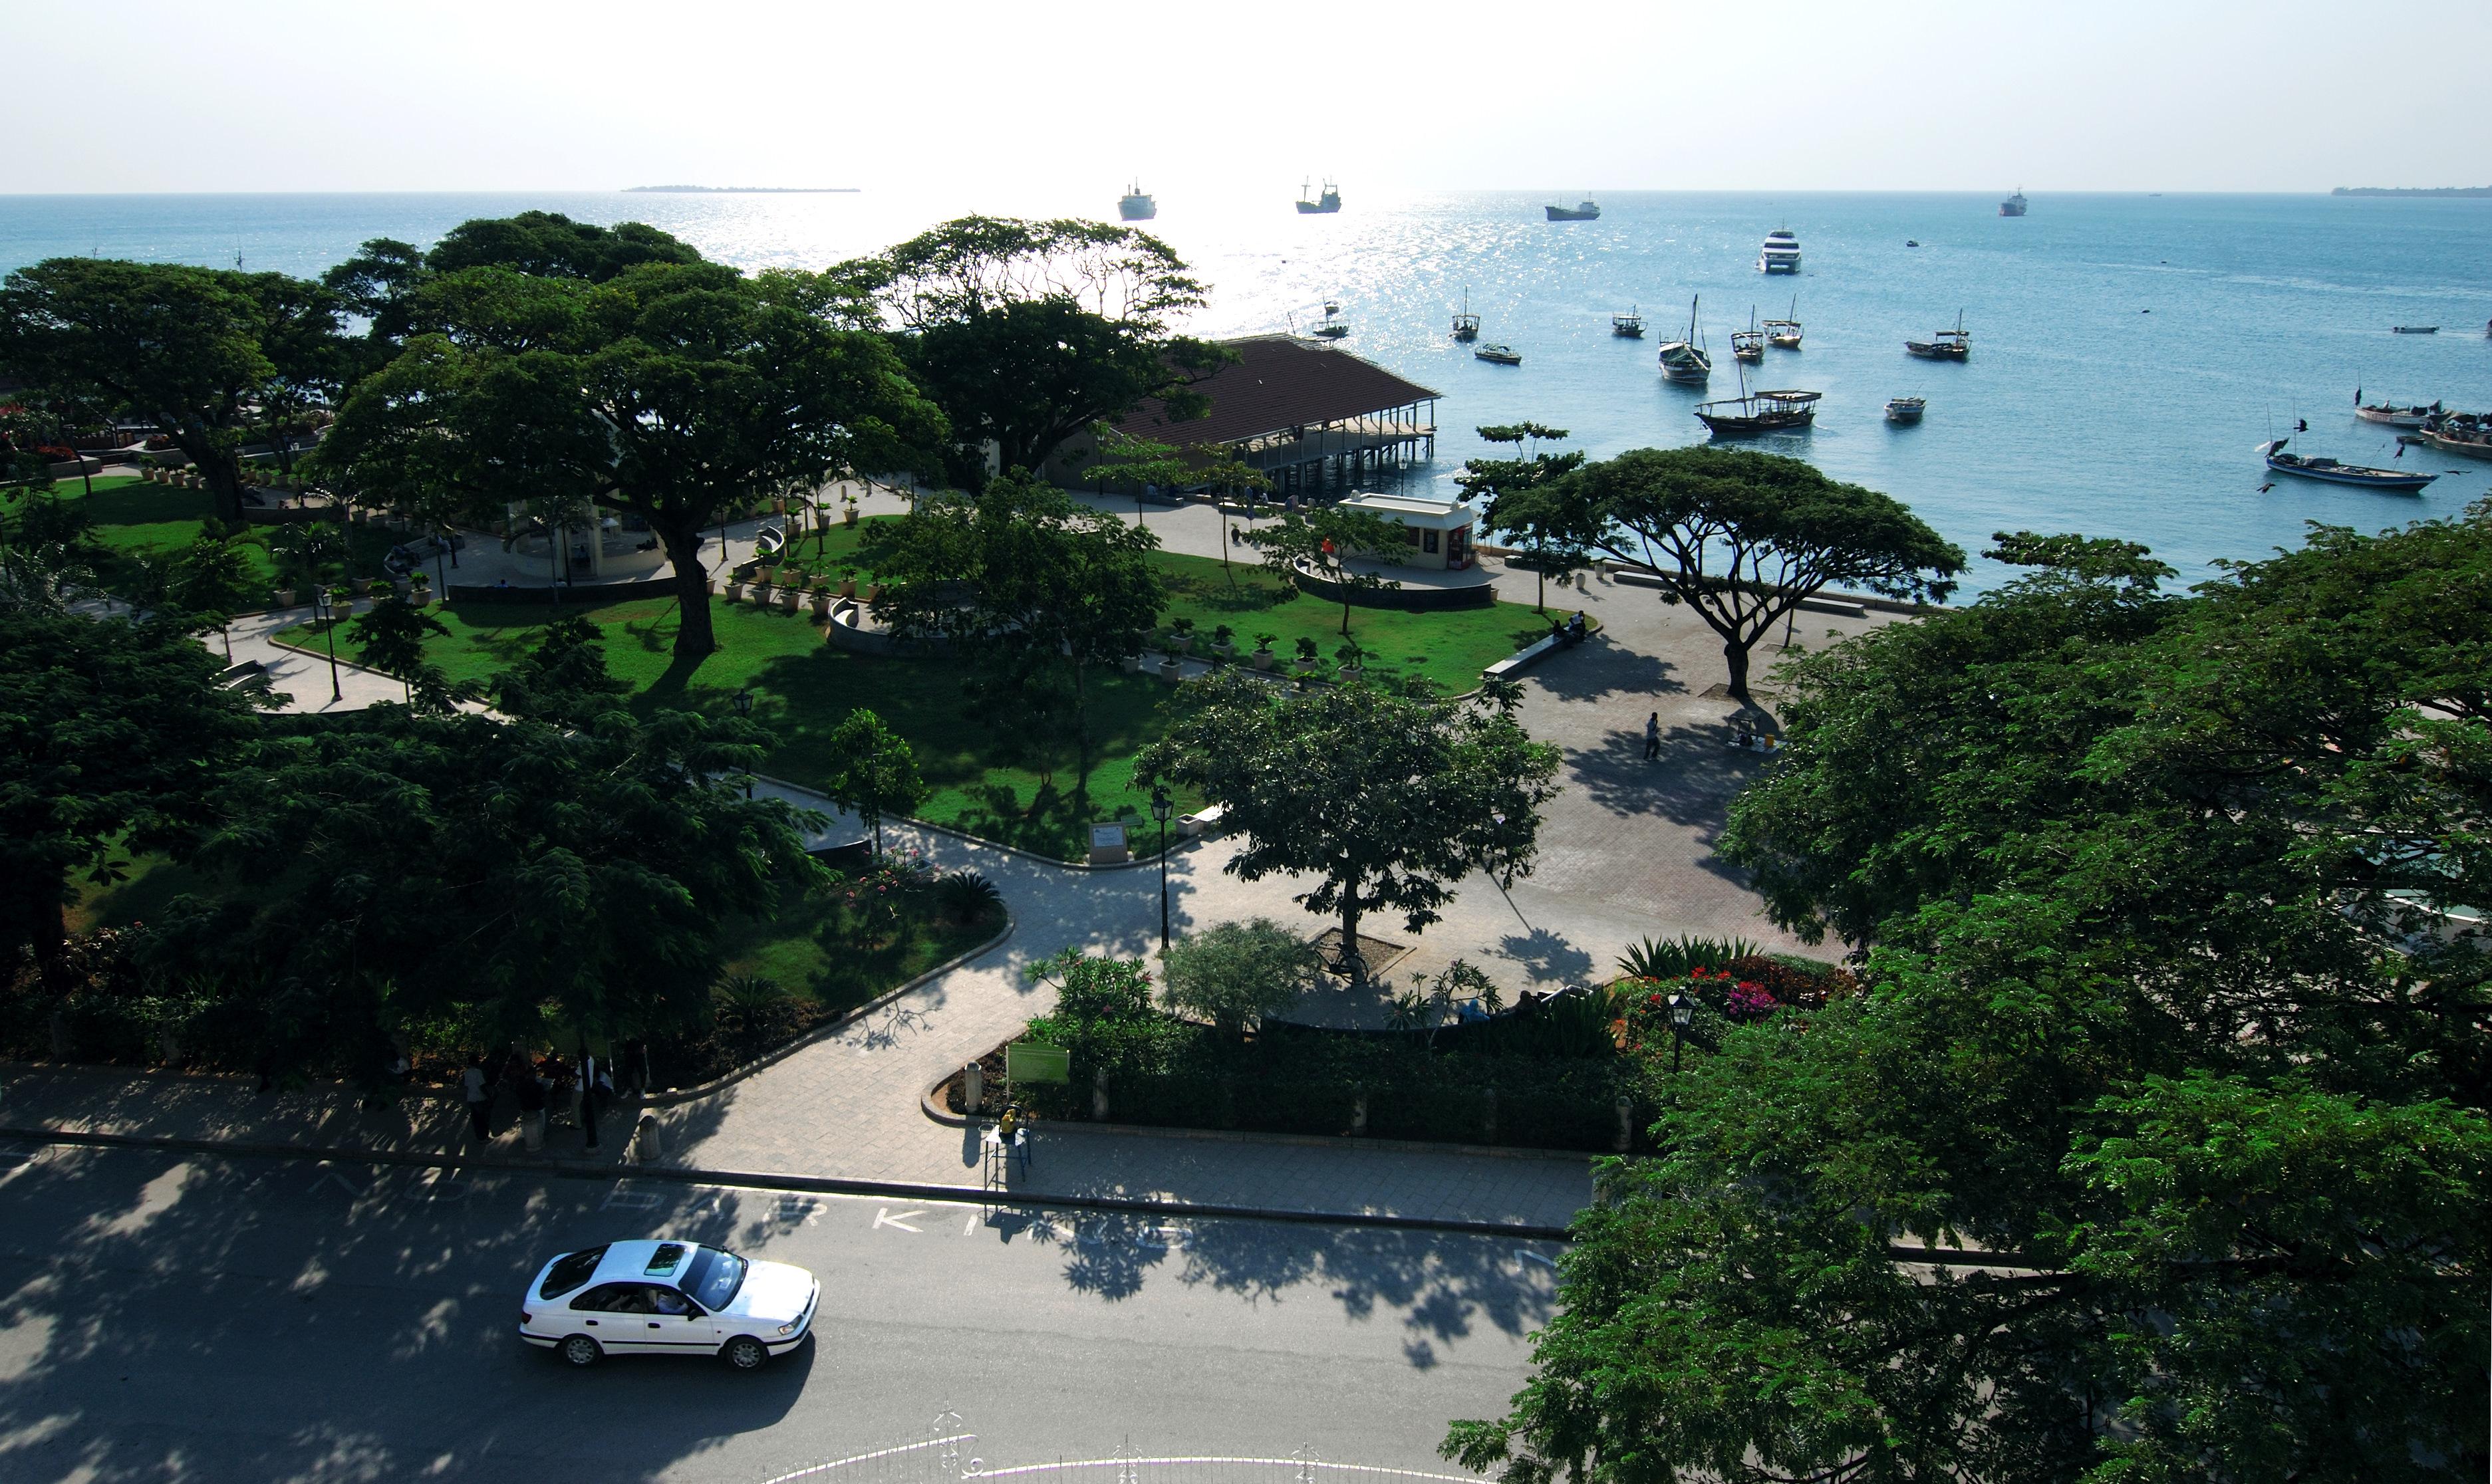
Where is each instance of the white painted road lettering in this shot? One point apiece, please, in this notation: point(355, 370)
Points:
point(882, 1218)
point(624, 1197)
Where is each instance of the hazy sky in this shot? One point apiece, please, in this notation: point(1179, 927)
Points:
point(1039, 98)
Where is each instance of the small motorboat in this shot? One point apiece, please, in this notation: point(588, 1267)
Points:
point(1685, 361)
point(1501, 355)
point(1630, 324)
point(2391, 415)
point(2392, 481)
point(1944, 345)
point(1334, 327)
point(1912, 242)
point(1783, 333)
point(1467, 323)
point(1906, 409)
point(2413, 330)
point(1748, 344)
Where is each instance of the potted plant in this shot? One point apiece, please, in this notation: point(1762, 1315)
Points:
point(791, 592)
point(848, 510)
point(1349, 656)
point(847, 582)
point(1171, 669)
point(341, 603)
point(822, 596)
point(363, 587)
point(1133, 664)
point(420, 589)
point(1223, 641)
point(1306, 663)
point(1263, 656)
point(281, 597)
point(1181, 635)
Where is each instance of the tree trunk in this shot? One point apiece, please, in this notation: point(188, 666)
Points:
point(1736, 655)
point(224, 473)
point(1352, 907)
point(694, 633)
point(1081, 735)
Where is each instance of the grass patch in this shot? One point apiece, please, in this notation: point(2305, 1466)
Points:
point(812, 949)
point(134, 517)
point(1448, 649)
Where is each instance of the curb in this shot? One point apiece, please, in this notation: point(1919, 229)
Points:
point(830, 1185)
point(673, 1096)
point(958, 833)
point(927, 1104)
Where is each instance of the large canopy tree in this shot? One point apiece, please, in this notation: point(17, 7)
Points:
point(1742, 538)
point(1027, 333)
point(1388, 794)
point(2172, 1005)
point(671, 390)
point(208, 355)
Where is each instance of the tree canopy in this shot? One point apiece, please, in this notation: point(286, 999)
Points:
point(2172, 1006)
point(207, 355)
point(1386, 794)
point(1741, 537)
point(1323, 542)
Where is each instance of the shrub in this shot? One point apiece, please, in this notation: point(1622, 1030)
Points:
point(1677, 958)
point(1239, 972)
point(1306, 647)
point(1263, 642)
point(1223, 634)
point(963, 896)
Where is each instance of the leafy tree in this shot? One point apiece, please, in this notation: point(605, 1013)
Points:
point(874, 772)
point(390, 637)
point(671, 390)
point(111, 732)
point(563, 677)
point(209, 581)
point(1239, 973)
point(1040, 588)
point(1387, 795)
point(549, 245)
point(1025, 333)
point(1324, 542)
point(199, 352)
point(1117, 458)
point(306, 553)
point(1741, 537)
point(507, 875)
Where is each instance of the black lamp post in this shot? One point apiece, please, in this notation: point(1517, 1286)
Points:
point(324, 606)
point(1161, 809)
point(744, 712)
point(1682, 1014)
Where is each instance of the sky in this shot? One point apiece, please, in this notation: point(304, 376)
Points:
point(1034, 98)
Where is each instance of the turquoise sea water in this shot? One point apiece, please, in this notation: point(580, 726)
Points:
point(2129, 351)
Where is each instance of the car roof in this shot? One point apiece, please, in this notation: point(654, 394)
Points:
point(632, 1261)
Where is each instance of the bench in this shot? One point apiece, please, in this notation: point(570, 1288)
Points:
point(1203, 824)
point(1520, 659)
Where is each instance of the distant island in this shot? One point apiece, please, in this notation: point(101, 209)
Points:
point(2411, 191)
point(746, 189)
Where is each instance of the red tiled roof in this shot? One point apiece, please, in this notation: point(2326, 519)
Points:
point(1278, 382)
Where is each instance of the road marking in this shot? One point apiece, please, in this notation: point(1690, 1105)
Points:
point(329, 1176)
point(1534, 1256)
point(624, 1197)
point(970, 1228)
point(882, 1218)
point(799, 1208)
point(12, 1155)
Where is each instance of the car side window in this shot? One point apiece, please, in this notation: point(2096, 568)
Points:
point(669, 1301)
point(607, 1298)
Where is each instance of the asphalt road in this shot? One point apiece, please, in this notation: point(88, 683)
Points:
point(262, 1320)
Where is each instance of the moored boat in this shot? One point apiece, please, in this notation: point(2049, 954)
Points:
point(1586, 210)
point(2391, 414)
point(1137, 204)
point(1748, 344)
point(1629, 324)
point(1502, 355)
point(1685, 361)
point(2329, 471)
point(2467, 435)
point(1760, 412)
point(1466, 323)
point(1944, 345)
point(1334, 327)
point(2014, 205)
point(1783, 333)
point(1780, 254)
point(1906, 409)
point(2414, 329)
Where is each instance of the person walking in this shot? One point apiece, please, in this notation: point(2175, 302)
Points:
point(1651, 736)
point(477, 1091)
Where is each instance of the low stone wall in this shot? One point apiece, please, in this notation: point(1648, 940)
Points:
point(582, 593)
point(844, 632)
point(1405, 599)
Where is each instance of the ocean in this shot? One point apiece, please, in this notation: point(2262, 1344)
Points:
point(2129, 352)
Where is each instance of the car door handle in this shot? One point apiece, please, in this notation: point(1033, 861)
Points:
point(653, 1323)
point(592, 1324)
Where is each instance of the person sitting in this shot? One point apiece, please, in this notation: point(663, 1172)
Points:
point(669, 1301)
point(1745, 738)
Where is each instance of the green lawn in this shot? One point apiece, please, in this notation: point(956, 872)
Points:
point(133, 517)
point(1448, 648)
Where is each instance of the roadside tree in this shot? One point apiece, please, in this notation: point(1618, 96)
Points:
point(873, 771)
point(1324, 542)
point(1384, 793)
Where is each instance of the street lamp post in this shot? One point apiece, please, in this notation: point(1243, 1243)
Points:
point(1161, 809)
point(1682, 1014)
point(324, 606)
point(744, 712)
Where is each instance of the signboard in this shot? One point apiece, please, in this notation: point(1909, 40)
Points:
point(1108, 844)
point(1033, 1061)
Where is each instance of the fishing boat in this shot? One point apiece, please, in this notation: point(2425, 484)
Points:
point(1752, 413)
point(1748, 344)
point(1906, 409)
point(1629, 324)
point(1501, 355)
point(1685, 361)
point(2414, 329)
point(2394, 481)
point(2466, 434)
point(1322, 205)
point(1780, 254)
point(1466, 323)
point(1585, 210)
point(2014, 205)
point(1944, 345)
point(1137, 204)
point(1783, 333)
point(1334, 327)
point(2391, 415)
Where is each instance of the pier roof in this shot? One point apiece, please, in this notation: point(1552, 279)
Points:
point(1277, 383)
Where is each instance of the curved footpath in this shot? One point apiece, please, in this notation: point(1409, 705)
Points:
point(1626, 852)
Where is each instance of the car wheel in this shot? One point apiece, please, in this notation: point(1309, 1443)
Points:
point(746, 1353)
point(581, 1351)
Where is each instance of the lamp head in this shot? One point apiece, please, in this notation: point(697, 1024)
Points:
point(744, 701)
point(1161, 808)
point(1682, 1012)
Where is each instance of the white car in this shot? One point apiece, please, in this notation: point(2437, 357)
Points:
point(668, 1298)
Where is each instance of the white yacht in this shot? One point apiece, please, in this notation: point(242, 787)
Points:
point(1781, 253)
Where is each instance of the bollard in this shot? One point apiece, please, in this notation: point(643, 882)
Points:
point(973, 1088)
point(1099, 1096)
point(1358, 1111)
point(1626, 1125)
point(647, 1144)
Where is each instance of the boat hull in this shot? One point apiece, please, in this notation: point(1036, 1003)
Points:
point(1570, 213)
point(1740, 427)
point(2386, 481)
point(2394, 417)
point(1772, 263)
point(1900, 411)
point(2463, 447)
point(1930, 352)
point(1138, 211)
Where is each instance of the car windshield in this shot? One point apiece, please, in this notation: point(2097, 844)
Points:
point(715, 1277)
point(570, 1271)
